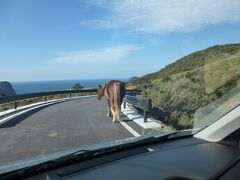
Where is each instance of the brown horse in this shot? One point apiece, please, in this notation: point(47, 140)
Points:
point(114, 92)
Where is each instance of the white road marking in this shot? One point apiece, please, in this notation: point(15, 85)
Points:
point(54, 134)
point(131, 130)
point(139, 119)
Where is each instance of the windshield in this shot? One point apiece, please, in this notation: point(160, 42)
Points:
point(82, 73)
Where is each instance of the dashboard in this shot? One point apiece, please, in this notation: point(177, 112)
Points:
point(184, 158)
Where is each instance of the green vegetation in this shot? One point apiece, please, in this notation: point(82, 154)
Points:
point(190, 83)
point(77, 86)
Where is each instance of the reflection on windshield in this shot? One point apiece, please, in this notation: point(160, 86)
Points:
point(212, 112)
point(179, 67)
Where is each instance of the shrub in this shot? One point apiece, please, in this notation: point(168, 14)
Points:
point(77, 86)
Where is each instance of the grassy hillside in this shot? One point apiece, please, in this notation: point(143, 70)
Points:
point(193, 81)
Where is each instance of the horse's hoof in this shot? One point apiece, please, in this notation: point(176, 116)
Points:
point(109, 115)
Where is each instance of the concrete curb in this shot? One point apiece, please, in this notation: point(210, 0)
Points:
point(139, 119)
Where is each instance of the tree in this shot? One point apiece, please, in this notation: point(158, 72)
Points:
point(77, 86)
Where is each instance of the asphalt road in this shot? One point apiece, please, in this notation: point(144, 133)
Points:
point(53, 128)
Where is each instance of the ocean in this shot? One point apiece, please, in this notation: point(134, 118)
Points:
point(42, 86)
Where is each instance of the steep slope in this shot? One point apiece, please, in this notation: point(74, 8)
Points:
point(193, 81)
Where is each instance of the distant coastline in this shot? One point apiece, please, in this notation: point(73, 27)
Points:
point(42, 86)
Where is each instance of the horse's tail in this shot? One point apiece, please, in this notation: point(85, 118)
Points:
point(119, 92)
point(122, 92)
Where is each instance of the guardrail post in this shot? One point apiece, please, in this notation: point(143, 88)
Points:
point(146, 108)
point(15, 105)
point(145, 116)
point(45, 98)
point(70, 95)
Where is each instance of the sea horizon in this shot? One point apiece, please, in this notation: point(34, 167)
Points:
point(24, 87)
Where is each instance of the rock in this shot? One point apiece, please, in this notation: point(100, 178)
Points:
point(6, 89)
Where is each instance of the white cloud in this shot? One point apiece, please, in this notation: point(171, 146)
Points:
point(160, 16)
point(100, 55)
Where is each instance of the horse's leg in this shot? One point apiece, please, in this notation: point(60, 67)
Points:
point(118, 113)
point(113, 109)
point(116, 110)
point(114, 114)
point(109, 114)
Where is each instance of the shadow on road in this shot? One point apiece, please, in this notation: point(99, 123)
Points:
point(14, 121)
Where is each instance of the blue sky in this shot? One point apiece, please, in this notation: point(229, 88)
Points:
point(72, 39)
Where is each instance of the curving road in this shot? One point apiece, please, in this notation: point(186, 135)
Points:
point(75, 123)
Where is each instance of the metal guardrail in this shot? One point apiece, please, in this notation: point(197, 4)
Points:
point(13, 99)
point(131, 97)
point(20, 97)
point(140, 102)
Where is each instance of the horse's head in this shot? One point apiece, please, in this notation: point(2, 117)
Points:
point(100, 92)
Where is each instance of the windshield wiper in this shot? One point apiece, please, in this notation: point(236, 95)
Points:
point(140, 141)
point(84, 154)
